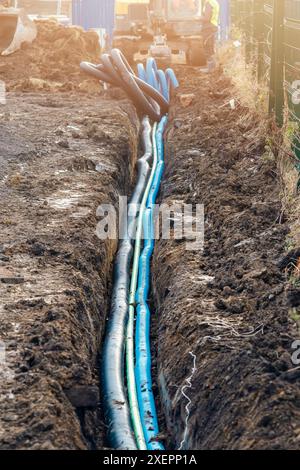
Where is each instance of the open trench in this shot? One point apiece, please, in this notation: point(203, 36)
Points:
point(227, 305)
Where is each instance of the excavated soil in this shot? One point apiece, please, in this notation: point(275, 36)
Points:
point(228, 304)
point(51, 62)
point(59, 160)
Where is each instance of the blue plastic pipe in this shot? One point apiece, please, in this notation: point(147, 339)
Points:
point(142, 339)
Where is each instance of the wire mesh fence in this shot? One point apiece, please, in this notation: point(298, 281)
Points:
point(271, 34)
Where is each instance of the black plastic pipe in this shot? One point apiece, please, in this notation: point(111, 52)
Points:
point(115, 70)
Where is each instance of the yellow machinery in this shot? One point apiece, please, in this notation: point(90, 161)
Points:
point(160, 28)
point(132, 23)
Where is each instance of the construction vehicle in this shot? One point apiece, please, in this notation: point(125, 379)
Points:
point(15, 28)
point(160, 28)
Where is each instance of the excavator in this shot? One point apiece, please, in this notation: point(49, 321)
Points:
point(160, 28)
point(15, 28)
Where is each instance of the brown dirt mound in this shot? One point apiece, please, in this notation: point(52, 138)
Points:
point(52, 61)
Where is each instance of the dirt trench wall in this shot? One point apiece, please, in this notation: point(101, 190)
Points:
point(59, 160)
point(226, 305)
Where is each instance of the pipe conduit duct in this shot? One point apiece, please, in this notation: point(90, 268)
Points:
point(130, 369)
point(114, 395)
point(132, 422)
point(142, 336)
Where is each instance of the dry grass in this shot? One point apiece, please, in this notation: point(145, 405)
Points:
point(289, 176)
point(248, 92)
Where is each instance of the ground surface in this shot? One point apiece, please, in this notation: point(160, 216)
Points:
point(59, 158)
point(227, 305)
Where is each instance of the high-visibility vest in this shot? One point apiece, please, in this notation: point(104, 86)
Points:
point(216, 11)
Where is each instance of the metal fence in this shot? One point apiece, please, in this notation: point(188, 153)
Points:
point(271, 33)
point(94, 14)
point(224, 19)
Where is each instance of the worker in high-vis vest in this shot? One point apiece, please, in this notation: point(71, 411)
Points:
point(210, 24)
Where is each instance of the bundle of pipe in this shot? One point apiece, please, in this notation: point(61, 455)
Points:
point(115, 70)
point(139, 288)
point(150, 93)
point(116, 409)
point(143, 375)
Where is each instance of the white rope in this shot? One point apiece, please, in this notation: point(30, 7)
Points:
point(189, 401)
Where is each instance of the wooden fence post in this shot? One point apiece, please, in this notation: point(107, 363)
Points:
point(248, 21)
point(276, 93)
point(258, 33)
